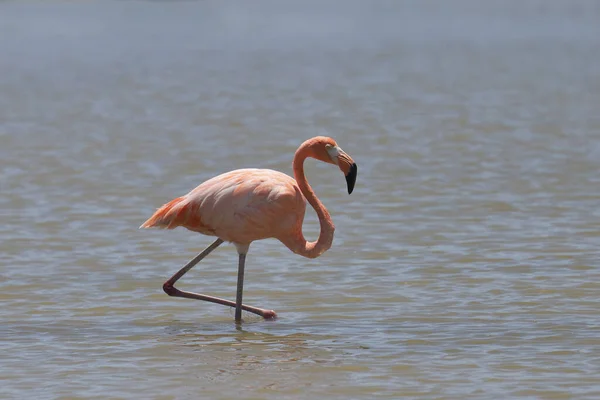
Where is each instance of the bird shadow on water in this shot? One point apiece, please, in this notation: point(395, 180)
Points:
point(258, 354)
point(275, 340)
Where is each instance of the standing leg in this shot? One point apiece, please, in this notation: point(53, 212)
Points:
point(173, 291)
point(240, 288)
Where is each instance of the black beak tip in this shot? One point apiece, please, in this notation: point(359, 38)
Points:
point(351, 177)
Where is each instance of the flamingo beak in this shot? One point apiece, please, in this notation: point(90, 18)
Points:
point(351, 177)
point(345, 163)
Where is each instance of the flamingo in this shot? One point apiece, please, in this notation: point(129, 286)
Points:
point(245, 205)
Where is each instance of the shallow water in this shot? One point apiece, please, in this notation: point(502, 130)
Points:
point(465, 264)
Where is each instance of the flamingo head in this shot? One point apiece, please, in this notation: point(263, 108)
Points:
point(327, 150)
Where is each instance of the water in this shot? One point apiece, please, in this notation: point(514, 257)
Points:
point(465, 264)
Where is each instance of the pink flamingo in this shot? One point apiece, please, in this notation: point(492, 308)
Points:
point(245, 205)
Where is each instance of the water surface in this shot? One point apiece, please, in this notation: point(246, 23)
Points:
point(465, 264)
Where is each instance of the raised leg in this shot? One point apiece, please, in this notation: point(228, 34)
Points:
point(173, 291)
point(192, 263)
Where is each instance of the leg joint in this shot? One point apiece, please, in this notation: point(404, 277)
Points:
point(169, 288)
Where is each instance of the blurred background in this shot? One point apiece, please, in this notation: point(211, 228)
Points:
point(465, 263)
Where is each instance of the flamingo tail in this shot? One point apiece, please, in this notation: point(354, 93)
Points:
point(169, 216)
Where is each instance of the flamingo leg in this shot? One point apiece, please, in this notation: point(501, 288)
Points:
point(171, 290)
point(240, 288)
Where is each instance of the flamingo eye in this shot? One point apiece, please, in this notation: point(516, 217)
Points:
point(333, 152)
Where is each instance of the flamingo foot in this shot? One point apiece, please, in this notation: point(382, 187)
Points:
point(269, 315)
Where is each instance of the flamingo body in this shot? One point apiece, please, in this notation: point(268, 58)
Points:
point(239, 206)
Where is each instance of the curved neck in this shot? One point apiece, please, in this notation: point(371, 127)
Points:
point(301, 245)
